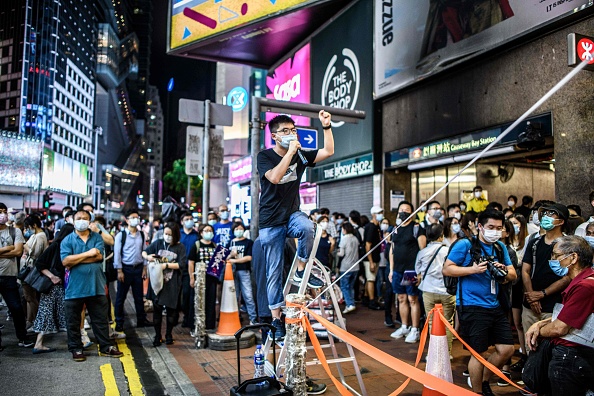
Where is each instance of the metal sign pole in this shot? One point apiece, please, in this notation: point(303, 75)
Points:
point(206, 145)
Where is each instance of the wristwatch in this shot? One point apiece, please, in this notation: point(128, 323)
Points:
point(544, 292)
point(166, 265)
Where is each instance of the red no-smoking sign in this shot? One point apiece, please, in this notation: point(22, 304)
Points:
point(585, 50)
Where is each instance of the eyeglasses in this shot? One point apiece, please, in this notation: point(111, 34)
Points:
point(286, 131)
point(556, 255)
point(547, 212)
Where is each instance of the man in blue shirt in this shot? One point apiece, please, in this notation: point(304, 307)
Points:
point(189, 236)
point(222, 229)
point(128, 261)
point(483, 321)
point(82, 254)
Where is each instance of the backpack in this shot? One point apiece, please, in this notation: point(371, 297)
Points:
point(362, 250)
point(452, 283)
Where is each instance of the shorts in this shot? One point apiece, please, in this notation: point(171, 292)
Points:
point(411, 290)
point(369, 276)
point(517, 295)
point(483, 327)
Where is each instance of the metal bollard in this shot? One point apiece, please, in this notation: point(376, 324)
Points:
point(199, 314)
point(295, 344)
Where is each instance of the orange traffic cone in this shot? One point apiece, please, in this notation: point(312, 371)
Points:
point(229, 315)
point(438, 355)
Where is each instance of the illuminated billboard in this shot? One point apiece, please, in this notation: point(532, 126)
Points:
point(64, 174)
point(191, 21)
point(290, 82)
point(19, 162)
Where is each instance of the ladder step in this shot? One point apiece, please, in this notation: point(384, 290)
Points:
point(330, 361)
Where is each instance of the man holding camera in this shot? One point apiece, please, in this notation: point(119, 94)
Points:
point(481, 266)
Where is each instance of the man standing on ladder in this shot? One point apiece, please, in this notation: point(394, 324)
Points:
point(280, 169)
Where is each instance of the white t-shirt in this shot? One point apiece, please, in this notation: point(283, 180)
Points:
point(8, 266)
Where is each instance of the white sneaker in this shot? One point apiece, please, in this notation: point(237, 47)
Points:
point(86, 341)
point(348, 309)
point(116, 335)
point(413, 336)
point(87, 325)
point(401, 332)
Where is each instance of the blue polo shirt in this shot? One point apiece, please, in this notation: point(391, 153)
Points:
point(88, 279)
point(189, 240)
point(476, 288)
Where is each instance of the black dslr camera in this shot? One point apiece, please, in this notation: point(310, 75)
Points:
point(498, 274)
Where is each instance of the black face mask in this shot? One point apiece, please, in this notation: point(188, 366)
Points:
point(403, 215)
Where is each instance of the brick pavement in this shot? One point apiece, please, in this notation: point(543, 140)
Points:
point(214, 372)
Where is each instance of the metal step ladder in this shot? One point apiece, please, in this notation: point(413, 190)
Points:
point(338, 320)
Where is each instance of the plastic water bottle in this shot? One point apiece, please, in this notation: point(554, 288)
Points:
point(259, 364)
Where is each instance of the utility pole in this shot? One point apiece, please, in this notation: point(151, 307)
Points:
point(206, 145)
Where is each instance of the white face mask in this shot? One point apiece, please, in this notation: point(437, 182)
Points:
point(384, 227)
point(212, 222)
point(81, 225)
point(535, 219)
point(133, 222)
point(398, 221)
point(457, 216)
point(324, 225)
point(510, 203)
point(168, 238)
point(455, 228)
point(491, 236)
point(379, 216)
point(478, 194)
point(462, 208)
point(317, 216)
point(286, 140)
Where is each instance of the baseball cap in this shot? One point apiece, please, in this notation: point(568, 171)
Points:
point(560, 209)
point(376, 209)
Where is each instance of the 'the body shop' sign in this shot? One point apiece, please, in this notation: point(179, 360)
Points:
point(342, 80)
point(290, 82)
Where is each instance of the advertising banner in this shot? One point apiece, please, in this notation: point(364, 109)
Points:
point(194, 156)
point(19, 162)
point(290, 82)
point(61, 173)
point(342, 76)
point(196, 20)
point(414, 39)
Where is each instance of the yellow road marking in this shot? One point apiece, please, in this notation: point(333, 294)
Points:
point(111, 388)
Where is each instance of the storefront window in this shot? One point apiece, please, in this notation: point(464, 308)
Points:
point(426, 183)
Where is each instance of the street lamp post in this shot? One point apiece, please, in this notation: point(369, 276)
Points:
point(96, 188)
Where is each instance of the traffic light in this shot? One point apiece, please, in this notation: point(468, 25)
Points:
point(47, 199)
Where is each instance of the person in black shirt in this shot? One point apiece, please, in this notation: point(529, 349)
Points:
point(525, 208)
point(403, 254)
point(371, 262)
point(280, 170)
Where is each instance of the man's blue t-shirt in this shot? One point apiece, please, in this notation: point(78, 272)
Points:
point(88, 279)
point(479, 290)
point(222, 234)
point(189, 240)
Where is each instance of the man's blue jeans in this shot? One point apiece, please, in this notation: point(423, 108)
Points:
point(347, 286)
point(273, 244)
point(243, 287)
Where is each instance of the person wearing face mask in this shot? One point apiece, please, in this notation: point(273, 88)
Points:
point(82, 254)
point(327, 243)
point(511, 202)
point(589, 237)
point(581, 229)
point(451, 231)
point(169, 295)
point(462, 205)
point(571, 367)
point(434, 214)
point(241, 258)
point(61, 222)
point(94, 226)
point(202, 251)
point(405, 245)
point(131, 267)
point(222, 229)
point(36, 244)
point(212, 219)
point(454, 211)
point(189, 236)
point(281, 168)
point(372, 237)
point(11, 247)
point(525, 209)
point(483, 319)
point(542, 286)
point(478, 203)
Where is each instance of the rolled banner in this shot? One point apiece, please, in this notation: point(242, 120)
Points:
point(156, 276)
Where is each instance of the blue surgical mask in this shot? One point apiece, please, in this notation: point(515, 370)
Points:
point(207, 236)
point(189, 224)
point(286, 140)
point(547, 223)
point(212, 222)
point(379, 217)
point(28, 234)
point(224, 215)
point(590, 240)
point(517, 229)
point(455, 228)
point(557, 268)
point(238, 233)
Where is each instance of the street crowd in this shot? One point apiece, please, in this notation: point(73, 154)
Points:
point(523, 271)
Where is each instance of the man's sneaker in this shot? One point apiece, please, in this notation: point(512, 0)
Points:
point(111, 352)
point(501, 382)
point(315, 389)
point(518, 366)
point(388, 322)
point(413, 336)
point(87, 325)
point(487, 389)
point(401, 332)
point(26, 343)
point(373, 305)
point(280, 329)
point(78, 356)
point(313, 281)
point(349, 309)
point(466, 373)
point(116, 335)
